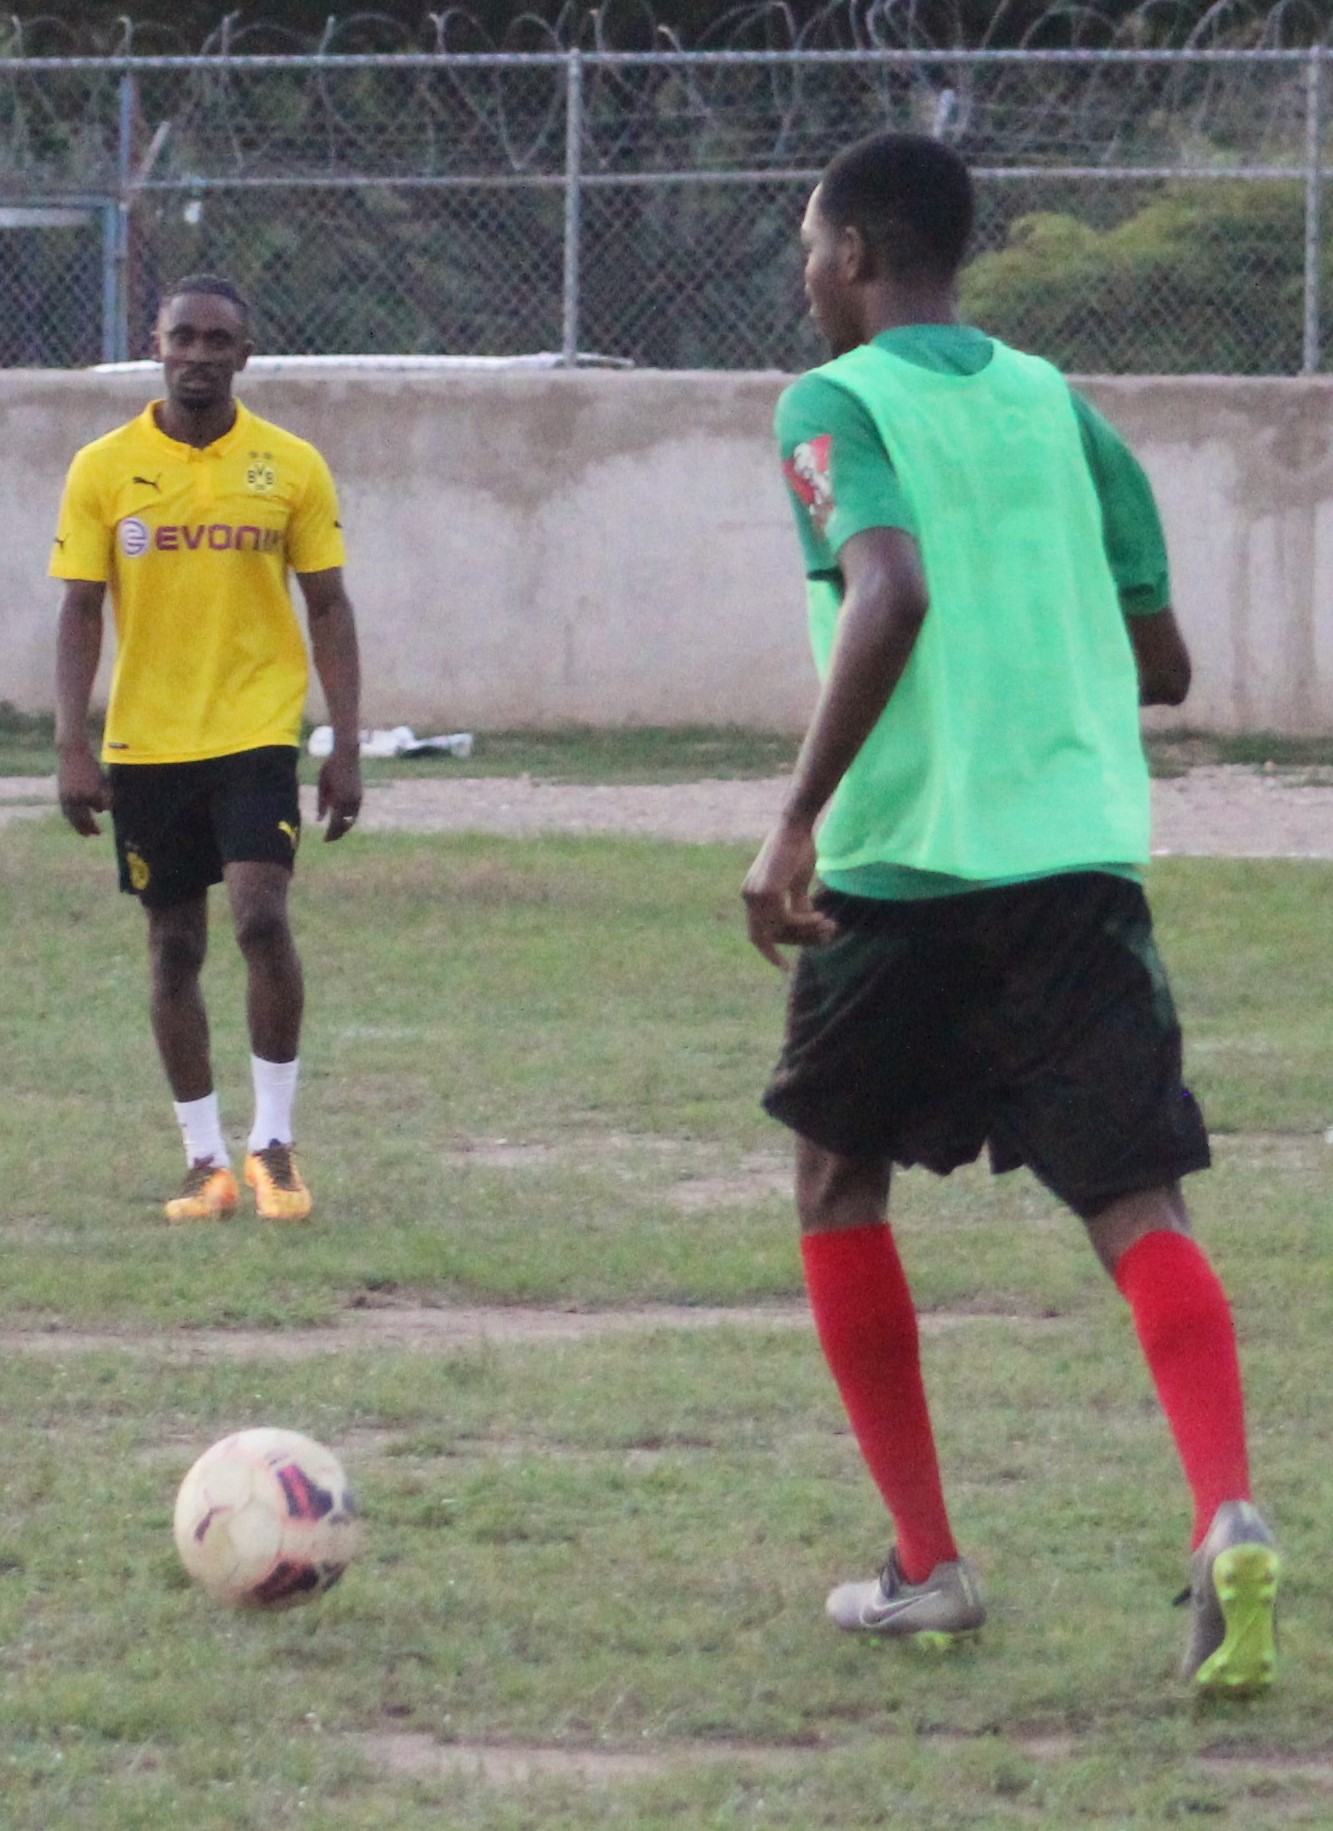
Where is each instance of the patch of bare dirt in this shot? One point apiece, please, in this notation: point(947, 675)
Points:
point(26, 797)
point(1227, 811)
point(423, 1329)
point(1221, 811)
point(1273, 1763)
point(1284, 1151)
point(696, 1177)
point(409, 1754)
point(1233, 811)
point(523, 806)
point(410, 1329)
point(412, 1754)
point(704, 1194)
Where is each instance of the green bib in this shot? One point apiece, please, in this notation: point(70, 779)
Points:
point(1011, 745)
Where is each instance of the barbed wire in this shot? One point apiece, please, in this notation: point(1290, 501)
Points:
point(376, 115)
point(629, 26)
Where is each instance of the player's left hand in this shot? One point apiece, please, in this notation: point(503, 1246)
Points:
point(83, 787)
point(776, 893)
point(340, 792)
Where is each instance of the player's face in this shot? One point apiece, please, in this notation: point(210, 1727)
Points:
point(202, 343)
point(827, 279)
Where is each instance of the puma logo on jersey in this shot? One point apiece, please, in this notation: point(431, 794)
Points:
point(150, 483)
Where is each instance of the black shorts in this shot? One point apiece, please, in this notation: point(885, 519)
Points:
point(1034, 1019)
point(178, 824)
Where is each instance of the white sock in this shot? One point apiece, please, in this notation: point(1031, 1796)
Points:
point(201, 1129)
point(275, 1095)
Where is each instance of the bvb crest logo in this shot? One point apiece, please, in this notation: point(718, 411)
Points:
point(260, 477)
point(138, 870)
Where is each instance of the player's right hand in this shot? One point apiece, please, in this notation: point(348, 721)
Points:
point(83, 789)
point(776, 893)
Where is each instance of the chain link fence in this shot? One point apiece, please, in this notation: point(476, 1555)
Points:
point(1141, 210)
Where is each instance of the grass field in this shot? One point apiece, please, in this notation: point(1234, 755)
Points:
point(598, 1541)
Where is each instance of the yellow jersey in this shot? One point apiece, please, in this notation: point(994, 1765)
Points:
point(196, 546)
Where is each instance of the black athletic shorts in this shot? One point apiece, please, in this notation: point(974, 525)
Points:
point(1034, 1019)
point(178, 824)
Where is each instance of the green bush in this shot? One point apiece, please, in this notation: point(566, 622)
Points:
point(1206, 276)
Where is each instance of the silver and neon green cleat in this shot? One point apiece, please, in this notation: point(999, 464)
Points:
point(947, 1604)
point(1234, 1574)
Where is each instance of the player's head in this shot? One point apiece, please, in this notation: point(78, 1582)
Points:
point(202, 339)
point(893, 210)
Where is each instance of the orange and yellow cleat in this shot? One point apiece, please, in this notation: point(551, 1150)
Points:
point(280, 1194)
point(209, 1193)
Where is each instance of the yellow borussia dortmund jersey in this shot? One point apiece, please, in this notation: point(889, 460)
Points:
point(196, 546)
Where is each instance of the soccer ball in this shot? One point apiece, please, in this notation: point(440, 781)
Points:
point(265, 1519)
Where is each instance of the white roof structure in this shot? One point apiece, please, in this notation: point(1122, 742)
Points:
point(321, 365)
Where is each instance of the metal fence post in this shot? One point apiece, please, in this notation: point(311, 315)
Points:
point(1314, 185)
point(116, 235)
point(569, 346)
point(110, 288)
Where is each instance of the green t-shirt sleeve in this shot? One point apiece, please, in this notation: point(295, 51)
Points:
point(1131, 525)
point(838, 474)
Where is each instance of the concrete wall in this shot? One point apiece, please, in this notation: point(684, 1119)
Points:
point(540, 548)
point(1243, 472)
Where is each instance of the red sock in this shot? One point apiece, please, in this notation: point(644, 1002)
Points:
point(867, 1327)
point(1184, 1325)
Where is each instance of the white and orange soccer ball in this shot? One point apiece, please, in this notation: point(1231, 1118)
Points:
point(265, 1519)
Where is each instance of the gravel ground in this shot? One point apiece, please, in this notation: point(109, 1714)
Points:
point(1227, 812)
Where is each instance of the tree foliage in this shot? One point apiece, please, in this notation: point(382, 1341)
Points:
point(1206, 276)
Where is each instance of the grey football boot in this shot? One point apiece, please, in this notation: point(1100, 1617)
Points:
point(948, 1603)
point(1234, 1574)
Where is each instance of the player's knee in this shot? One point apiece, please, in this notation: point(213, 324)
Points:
point(263, 931)
point(834, 1192)
point(815, 1209)
point(177, 957)
point(1122, 1223)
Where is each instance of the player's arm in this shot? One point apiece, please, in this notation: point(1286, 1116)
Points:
point(883, 609)
point(81, 559)
point(1162, 658)
point(1136, 553)
point(83, 789)
point(316, 555)
point(856, 527)
point(333, 647)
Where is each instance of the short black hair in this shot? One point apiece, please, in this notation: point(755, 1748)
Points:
point(911, 197)
point(214, 285)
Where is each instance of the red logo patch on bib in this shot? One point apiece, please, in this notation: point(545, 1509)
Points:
point(809, 472)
